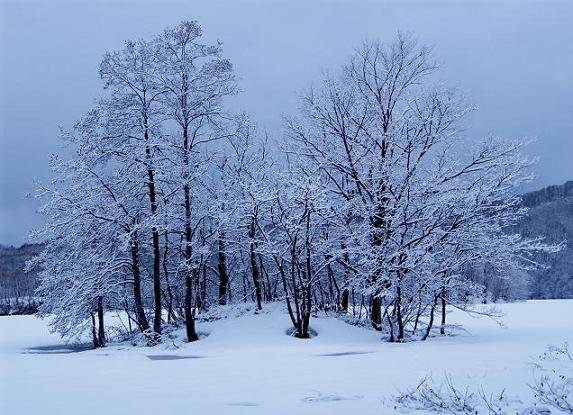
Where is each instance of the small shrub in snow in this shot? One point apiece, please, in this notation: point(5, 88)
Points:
point(169, 339)
point(553, 378)
point(447, 398)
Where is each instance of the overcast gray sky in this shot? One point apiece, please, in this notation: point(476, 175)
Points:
point(513, 58)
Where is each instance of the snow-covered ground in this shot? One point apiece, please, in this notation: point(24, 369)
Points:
point(248, 365)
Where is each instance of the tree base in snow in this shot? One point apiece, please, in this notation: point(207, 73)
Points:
point(295, 333)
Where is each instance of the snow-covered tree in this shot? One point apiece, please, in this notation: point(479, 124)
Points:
point(196, 79)
point(86, 264)
point(134, 138)
point(388, 144)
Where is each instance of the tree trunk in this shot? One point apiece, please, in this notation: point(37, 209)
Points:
point(418, 314)
point(391, 326)
point(285, 288)
point(443, 299)
point(101, 327)
point(222, 268)
point(376, 314)
point(377, 222)
point(254, 267)
point(344, 298)
point(141, 319)
point(256, 277)
point(333, 289)
point(170, 311)
point(154, 236)
point(399, 318)
point(189, 314)
point(307, 284)
point(431, 323)
point(305, 312)
point(189, 317)
point(156, 281)
point(95, 339)
point(203, 292)
point(268, 292)
point(153, 208)
point(294, 284)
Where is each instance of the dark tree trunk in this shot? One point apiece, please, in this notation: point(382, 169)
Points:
point(296, 296)
point(95, 339)
point(344, 297)
point(101, 326)
point(377, 222)
point(286, 290)
point(189, 314)
point(431, 322)
point(222, 268)
point(418, 315)
point(391, 326)
point(333, 289)
point(189, 317)
point(256, 278)
point(254, 267)
point(154, 235)
point(141, 319)
point(305, 312)
point(127, 311)
point(156, 281)
point(170, 299)
point(268, 291)
point(306, 285)
point(443, 299)
point(305, 309)
point(376, 313)
point(399, 318)
point(344, 300)
point(203, 293)
point(245, 287)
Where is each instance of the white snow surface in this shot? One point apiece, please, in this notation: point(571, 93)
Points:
point(248, 365)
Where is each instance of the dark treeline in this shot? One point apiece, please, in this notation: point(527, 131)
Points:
point(551, 215)
point(17, 286)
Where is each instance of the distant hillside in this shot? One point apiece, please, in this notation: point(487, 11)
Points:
point(548, 194)
point(16, 286)
point(551, 215)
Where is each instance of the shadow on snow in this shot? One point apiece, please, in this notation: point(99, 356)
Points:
point(172, 357)
point(58, 349)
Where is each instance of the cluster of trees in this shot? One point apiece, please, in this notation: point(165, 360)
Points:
point(370, 205)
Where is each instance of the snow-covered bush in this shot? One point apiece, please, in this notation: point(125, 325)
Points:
point(553, 378)
point(447, 398)
point(552, 387)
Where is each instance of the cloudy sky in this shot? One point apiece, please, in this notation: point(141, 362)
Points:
point(513, 58)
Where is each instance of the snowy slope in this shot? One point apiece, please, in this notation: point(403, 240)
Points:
point(247, 365)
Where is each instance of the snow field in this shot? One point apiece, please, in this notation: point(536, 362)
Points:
point(248, 365)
